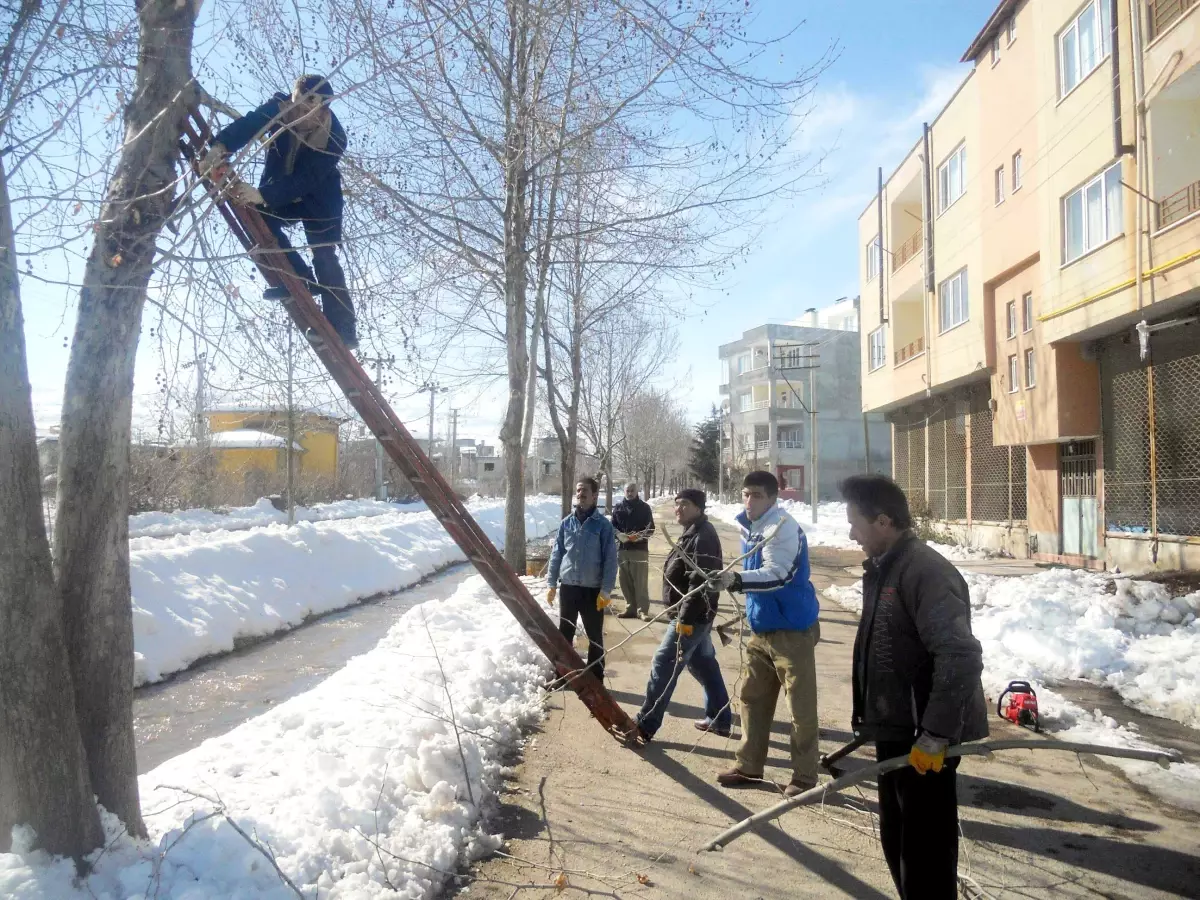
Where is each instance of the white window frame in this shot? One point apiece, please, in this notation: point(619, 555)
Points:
point(1030, 369)
point(1111, 214)
point(742, 363)
point(946, 185)
point(874, 258)
point(1027, 312)
point(745, 401)
point(1018, 177)
point(1000, 184)
point(1010, 29)
point(1010, 318)
point(877, 348)
point(951, 306)
point(1083, 62)
point(996, 48)
point(1014, 374)
point(791, 437)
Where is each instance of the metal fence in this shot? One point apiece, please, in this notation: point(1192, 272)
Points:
point(1152, 463)
point(997, 473)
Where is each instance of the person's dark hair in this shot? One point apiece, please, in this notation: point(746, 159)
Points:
point(876, 495)
point(590, 482)
point(313, 84)
point(764, 480)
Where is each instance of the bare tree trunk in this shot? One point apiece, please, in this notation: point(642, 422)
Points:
point(43, 770)
point(516, 253)
point(92, 527)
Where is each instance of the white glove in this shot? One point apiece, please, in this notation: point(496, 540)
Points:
point(725, 581)
point(242, 194)
point(214, 162)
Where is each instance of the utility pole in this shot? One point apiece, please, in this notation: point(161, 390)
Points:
point(796, 358)
point(812, 416)
point(434, 390)
point(721, 454)
point(380, 487)
point(453, 445)
point(291, 434)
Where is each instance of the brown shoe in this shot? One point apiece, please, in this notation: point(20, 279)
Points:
point(707, 725)
point(737, 778)
point(795, 788)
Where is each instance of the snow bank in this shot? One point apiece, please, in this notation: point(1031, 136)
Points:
point(185, 521)
point(195, 594)
point(357, 786)
point(1063, 624)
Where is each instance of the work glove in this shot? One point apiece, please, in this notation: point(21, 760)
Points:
point(550, 595)
point(928, 753)
point(242, 194)
point(603, 600)
point(622, 537)
point(215, 163)
point(725, 581)
point(685, 630)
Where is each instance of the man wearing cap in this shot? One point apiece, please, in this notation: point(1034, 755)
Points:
point(692, 606)
point(634, 523)
point(300, 182)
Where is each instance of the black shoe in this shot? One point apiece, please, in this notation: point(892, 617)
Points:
point(276, 293)
point(628, 614)
point(708, 726)
point(347, 332)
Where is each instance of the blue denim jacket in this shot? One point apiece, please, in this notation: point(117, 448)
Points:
point(585, 553)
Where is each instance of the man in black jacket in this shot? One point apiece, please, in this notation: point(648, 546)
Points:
point(916, 685)
point(634, 523)
point(688, 642)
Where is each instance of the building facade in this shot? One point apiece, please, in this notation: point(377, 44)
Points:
point(768, 379)
point(1031, 285)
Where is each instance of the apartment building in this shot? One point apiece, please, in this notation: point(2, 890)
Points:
point(768, 379)
point(1031, 289)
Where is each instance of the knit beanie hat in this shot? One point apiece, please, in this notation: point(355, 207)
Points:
point(696, 495)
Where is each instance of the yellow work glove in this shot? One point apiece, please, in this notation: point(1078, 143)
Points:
point(928, 753)
point(550, 595)
point(685, 630)
point(602, 600)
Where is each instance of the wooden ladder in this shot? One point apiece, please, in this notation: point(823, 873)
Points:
point(248, 226)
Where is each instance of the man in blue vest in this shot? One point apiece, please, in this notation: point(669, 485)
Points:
point(584, 562)
point(782, 609)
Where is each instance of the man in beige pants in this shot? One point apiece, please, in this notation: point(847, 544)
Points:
point(782, 609)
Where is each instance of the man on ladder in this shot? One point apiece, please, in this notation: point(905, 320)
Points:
point(300, 183)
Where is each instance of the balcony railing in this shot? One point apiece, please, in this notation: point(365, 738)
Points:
point(916, 348)
point(751, 446)
point(1163, 13)
point(907, 251)
point(786, 444)
point(1179, 205)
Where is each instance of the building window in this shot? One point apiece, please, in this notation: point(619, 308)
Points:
point(1010, 310)
point(1014, 376)
point(1092, 214)
point(874, 258)
point(996, 48)
point(952, 178)
point(744, 402)
point(1018, 175)
point(1011, 29)
point(791, 437)
point(743, 363)
point(1030, 369)
point(489, 467)
point(878, 344)
point(1083, 45)
point(953, 308)
point(1027, 312)
point(1000, 185)
point(725, 371)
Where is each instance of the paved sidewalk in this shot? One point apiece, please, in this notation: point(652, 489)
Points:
point(584, 815)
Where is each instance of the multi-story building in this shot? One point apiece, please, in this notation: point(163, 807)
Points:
point(768, 377)
point(1031, 280)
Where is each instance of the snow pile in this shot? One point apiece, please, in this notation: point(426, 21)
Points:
point(830, 530)
point(957, 553)
point(1064, 624)
point(357, 787)
point(195, 595)
point(185, 521)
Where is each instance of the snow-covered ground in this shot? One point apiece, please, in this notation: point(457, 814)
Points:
point(186, 521)
point(1062, 624)
point(195, 594)
point(370, 785)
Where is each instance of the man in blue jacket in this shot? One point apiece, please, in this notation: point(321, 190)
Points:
point(782, 609)
point(584, 562)
point(300, 183)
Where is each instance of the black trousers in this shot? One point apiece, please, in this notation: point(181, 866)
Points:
point(324, 234)
point(918, 825)
point(575, 602)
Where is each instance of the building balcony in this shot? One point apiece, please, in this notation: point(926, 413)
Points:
point(1162, 14)
point(907, 251)
point(1178, 206)
point(790, 445)
point(910, 351)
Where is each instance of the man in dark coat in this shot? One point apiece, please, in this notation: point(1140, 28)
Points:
point(634, 523)
point(300, 183)
point(688, 640)
point(917, 686)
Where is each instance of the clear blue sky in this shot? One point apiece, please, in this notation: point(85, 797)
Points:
point(898, 64)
